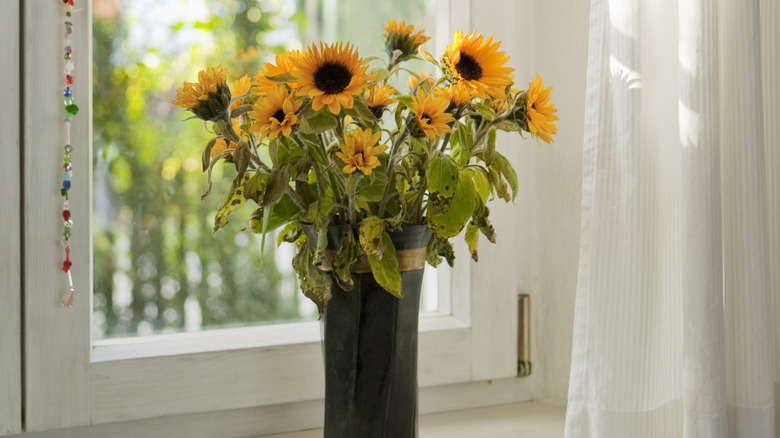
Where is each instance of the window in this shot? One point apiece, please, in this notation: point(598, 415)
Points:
point(240, 381)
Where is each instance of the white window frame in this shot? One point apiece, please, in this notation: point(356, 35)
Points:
point(10, 249)
point(236, 382)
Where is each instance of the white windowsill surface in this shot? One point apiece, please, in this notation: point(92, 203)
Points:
point(515, 420)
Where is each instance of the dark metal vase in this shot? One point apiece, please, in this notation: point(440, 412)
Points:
point(370, 349)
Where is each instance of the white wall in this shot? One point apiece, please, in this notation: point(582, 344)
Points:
point(542, 231)
point(551, 180)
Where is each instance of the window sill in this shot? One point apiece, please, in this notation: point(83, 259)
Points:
point(514, 420)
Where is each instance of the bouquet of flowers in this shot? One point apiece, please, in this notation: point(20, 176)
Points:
point(321, 138)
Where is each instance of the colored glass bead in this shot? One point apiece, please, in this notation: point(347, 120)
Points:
point(66, 235)
point(66, 214)
point(69, 80)
point(67, 92)
point(67, 166)
point(67, 176)
point(67, 56)
point(69, 67)
point(66, 185)
point(66, 243)
point(72, 109)
point(68, 14)
point(68, 50)
point(66, 156)
point(63, 192)
point(68, 100)
point(66, 265)
point(68, 148)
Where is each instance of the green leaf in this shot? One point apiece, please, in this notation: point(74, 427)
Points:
point(372, 192)
point(322, 244)
point(479, 177)
point(360, 107)
point(465, 137)
point(380, 74)
point(370, 236)
point(315, 284)
point(490, 149)
point(406, 100)
point(427, 55)
point(385, 269)
point(480, 219)
point(255, 187)
point(282, 78)
point(438, 248)
point(206, 158)
point(319, 212)
point(290, 233)
point(472, 240)
point(233, 199)
point(442, 177)
point(485, 111)
point(241, 158)
point(346, 256)
point(448, 220)
point(278, 183)
point(320, 122)
point(502, 164)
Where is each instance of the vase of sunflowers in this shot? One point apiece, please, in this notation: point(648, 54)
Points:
point(369, 183)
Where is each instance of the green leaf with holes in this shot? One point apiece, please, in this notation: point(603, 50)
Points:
point(448, 220)
point(315, 284)
point(472, 240)
point(385, 270)
point(233, 199)
point(370, 236)
point(442, 177)
point(346, 256)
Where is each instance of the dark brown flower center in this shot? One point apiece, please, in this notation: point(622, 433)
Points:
point(332, 78)
point(279, 115)
point(468, 68)
point(425, 119)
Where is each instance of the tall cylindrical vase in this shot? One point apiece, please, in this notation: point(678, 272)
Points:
point(370, 349)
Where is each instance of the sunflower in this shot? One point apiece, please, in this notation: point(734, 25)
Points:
point(431, 114)
point(399, 36)
point(477, 64)
point(539, 111)
point(332, 75)
point(240, 88)
point(208, 98)
point(359, 151)
point(417, 78)
point(379, 96)
point(501, 105)
point(284, 64)
point(275, 113)
point(455, 94)
point(221, 145)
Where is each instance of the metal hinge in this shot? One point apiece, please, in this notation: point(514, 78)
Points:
point(523, 335)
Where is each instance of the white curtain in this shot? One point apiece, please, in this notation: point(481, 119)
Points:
point(680, 249)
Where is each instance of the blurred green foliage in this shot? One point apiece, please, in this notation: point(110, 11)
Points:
point(157, 265)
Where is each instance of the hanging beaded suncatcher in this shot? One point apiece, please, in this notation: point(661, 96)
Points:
point(71, 109)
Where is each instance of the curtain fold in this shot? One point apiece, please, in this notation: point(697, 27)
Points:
point(673, 321)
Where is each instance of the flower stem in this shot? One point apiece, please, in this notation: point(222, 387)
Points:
point(314, 164)
point(390, 165)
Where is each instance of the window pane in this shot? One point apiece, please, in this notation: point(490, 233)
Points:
point(158, 267)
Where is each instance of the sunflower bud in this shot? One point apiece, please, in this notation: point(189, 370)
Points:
point(209, 98)
point(400, 42)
